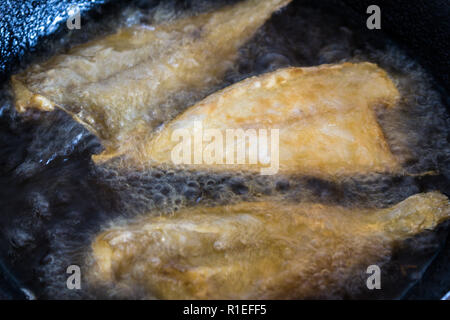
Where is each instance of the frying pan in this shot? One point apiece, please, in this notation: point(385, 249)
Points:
point(28, 28)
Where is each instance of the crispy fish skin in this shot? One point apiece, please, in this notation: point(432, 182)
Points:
point(325, 116)
point(262, 250)
point(117, 86)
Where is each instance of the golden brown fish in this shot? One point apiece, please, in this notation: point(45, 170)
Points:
point(262, 250)
point(123, 85)
point(325, 116)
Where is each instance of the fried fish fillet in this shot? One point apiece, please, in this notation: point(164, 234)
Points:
point(262, 250)
point(325, 116)
point(122, 86)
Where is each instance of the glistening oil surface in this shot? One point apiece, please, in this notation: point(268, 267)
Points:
point(55, 200)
